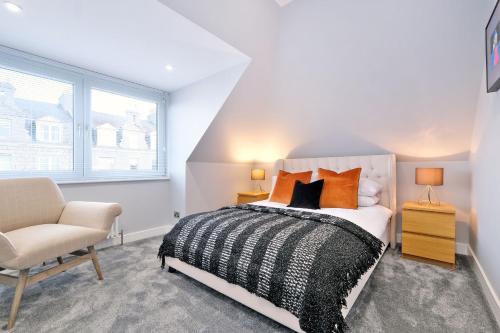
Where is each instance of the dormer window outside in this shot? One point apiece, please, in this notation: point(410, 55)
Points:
point(106, 135)
point(49, 130)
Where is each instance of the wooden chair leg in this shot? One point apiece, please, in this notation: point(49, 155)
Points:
point(16, 302)
point(60, 260)
point(97, 267)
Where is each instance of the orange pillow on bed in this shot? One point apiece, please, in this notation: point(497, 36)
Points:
point(285, 183)
point(340, 190)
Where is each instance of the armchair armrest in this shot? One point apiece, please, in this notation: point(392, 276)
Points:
point(7, 249)
point(95, 215)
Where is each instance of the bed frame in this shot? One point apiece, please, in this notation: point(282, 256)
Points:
point(381, 168)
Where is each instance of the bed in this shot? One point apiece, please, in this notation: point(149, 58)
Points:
point(378, 221)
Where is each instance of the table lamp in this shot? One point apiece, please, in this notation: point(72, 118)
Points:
point(258, 174)
point(429, 177)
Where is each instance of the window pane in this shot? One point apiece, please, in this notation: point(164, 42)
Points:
point(123, 132)
point(36, 123)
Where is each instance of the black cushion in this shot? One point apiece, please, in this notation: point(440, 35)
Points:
point(306, 195)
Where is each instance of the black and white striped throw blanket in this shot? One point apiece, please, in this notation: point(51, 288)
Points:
point(305, 263)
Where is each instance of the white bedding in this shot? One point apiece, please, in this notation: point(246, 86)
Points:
point(373, 219)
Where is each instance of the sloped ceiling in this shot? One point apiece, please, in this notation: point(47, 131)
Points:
point(353, 77)
point(127, 39)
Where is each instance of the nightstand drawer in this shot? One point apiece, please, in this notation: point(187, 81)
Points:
point(429, 223)
point(436, 248)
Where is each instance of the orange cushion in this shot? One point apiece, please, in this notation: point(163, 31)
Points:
point(340, 190)
point(285, 183)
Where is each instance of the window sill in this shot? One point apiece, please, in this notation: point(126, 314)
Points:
point(118, 180)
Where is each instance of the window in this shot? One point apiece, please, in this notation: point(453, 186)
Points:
point(33, 115)
point(134, 119)
point(71, 124)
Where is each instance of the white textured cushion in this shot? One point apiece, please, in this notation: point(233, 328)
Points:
point(369, 188)
point(364, 201)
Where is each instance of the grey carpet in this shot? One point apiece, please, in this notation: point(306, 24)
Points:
point(136, 296)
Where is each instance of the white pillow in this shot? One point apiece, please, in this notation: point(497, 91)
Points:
point(368, 187)
point(364, 201)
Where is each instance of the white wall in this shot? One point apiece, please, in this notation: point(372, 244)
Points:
point(251, 26)
point(355, 77)
point(211, 186)
point(145, 203)
point(190, 112)
point(485, 161)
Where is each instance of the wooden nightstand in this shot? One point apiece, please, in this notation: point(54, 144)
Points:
point(429, 232)
point(247, 197)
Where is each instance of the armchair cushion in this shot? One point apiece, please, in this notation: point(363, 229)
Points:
point(25, 202)
point(7, 249)
point(47, 241)
point(96, 215)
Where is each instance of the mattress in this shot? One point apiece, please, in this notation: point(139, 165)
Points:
point(373, 219)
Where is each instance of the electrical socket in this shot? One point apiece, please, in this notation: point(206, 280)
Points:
point(177, 215)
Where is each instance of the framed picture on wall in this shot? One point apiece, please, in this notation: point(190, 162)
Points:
point(493, 51)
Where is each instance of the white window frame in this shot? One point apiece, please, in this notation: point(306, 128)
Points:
point(83, 81)
point(133, 92)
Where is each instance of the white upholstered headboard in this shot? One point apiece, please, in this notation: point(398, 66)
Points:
point(381, 168)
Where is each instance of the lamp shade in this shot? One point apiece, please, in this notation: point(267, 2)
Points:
point(429, 176)
point(258, 174)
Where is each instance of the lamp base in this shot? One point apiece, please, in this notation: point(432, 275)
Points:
point(425, 199)
point(258, 188)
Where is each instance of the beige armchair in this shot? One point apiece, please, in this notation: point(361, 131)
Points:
point(36, 225)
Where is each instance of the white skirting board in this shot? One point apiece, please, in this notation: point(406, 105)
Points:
point(136, 236)
point(489, 292)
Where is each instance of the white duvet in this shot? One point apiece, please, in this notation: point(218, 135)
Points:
point(373, 219)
